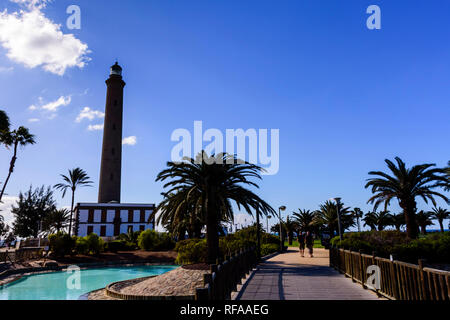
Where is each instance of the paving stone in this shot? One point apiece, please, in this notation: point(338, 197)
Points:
point(288, 276)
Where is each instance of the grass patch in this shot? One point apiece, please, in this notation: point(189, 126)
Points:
point(317, 244)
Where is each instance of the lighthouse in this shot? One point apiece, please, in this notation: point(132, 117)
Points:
point(111, 163)
point(110, 217)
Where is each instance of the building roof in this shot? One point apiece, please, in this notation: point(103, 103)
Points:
point(116, 205)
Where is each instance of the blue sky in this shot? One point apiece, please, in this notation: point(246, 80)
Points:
point(343, 97)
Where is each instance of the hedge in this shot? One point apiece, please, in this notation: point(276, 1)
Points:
point(434, 247)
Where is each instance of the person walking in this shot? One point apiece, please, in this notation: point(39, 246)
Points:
point(309, 243)
point(301, 242)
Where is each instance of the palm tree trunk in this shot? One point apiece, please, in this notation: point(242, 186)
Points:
point(11, 170)
point(359, 225)
point(212, 237)
point(71, 213)
point(409, 210)
point(441, 224)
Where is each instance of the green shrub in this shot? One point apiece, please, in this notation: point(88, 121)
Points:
point(269, 248)
point(95, 243)
point(81, 245)
point(151, 240)
point(91, 244)
point(433, 247)
point(119, 245)
point(61, 244)
point(191, 251)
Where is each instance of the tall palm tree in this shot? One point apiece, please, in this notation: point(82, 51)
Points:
point(76, 178)
point(405, 185)
point(212, 182)
point(440, 214)
point(57, 220)
point(423, 220)
point(20, 137)
point(357, 213)
point(305, 219)
point(291, 226)
point(378, 220)
point(327, 216)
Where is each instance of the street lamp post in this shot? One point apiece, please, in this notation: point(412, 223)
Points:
point(282, 208)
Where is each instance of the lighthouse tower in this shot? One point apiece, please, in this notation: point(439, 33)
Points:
point(110, 217)
point(111, 164)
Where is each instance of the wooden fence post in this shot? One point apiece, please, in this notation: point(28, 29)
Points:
point(423, 281)
point(361, 269)
point(393, 278)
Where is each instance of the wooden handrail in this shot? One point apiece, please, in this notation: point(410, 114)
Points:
point(399, 280)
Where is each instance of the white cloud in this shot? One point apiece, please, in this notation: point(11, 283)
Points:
point(33, 120)
point(52, 106)
point(95, 127)
point(31, 39)
point(6, 69)
point(88, 113)
point(32, 3)
point(130, 141)
point(5, 208)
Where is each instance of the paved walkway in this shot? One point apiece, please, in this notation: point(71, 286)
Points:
point(288, 276)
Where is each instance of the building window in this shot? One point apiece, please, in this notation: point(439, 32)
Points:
point(141, 228)
point(130, 229)
point(91, 216)
point(103, 231)
point(115, 102)
point(90, 230)
point(103, 216)
point(114, 126)
point(142, 216)
point(113, 151)
point(111, 177)
point(130, 215)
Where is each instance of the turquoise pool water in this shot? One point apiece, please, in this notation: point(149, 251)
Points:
point(53, 286)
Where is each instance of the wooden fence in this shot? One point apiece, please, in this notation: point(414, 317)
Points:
point(224, 277)
point(397, 280)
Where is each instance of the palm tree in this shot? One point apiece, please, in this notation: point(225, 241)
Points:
point(16, 138)
point(4, 123)
point(405, 185)
point(305, 219)
point(398, 220)
point(77, 177)
point(57, 220)
point(370, 221)
point(291, 226)
point(378, 220)
point(423, 219)
point(211, 183)
point(180, 215)
point(327, 216)
point(358, 214)
point(440, 214)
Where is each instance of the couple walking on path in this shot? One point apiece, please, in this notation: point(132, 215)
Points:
point(306, 240)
